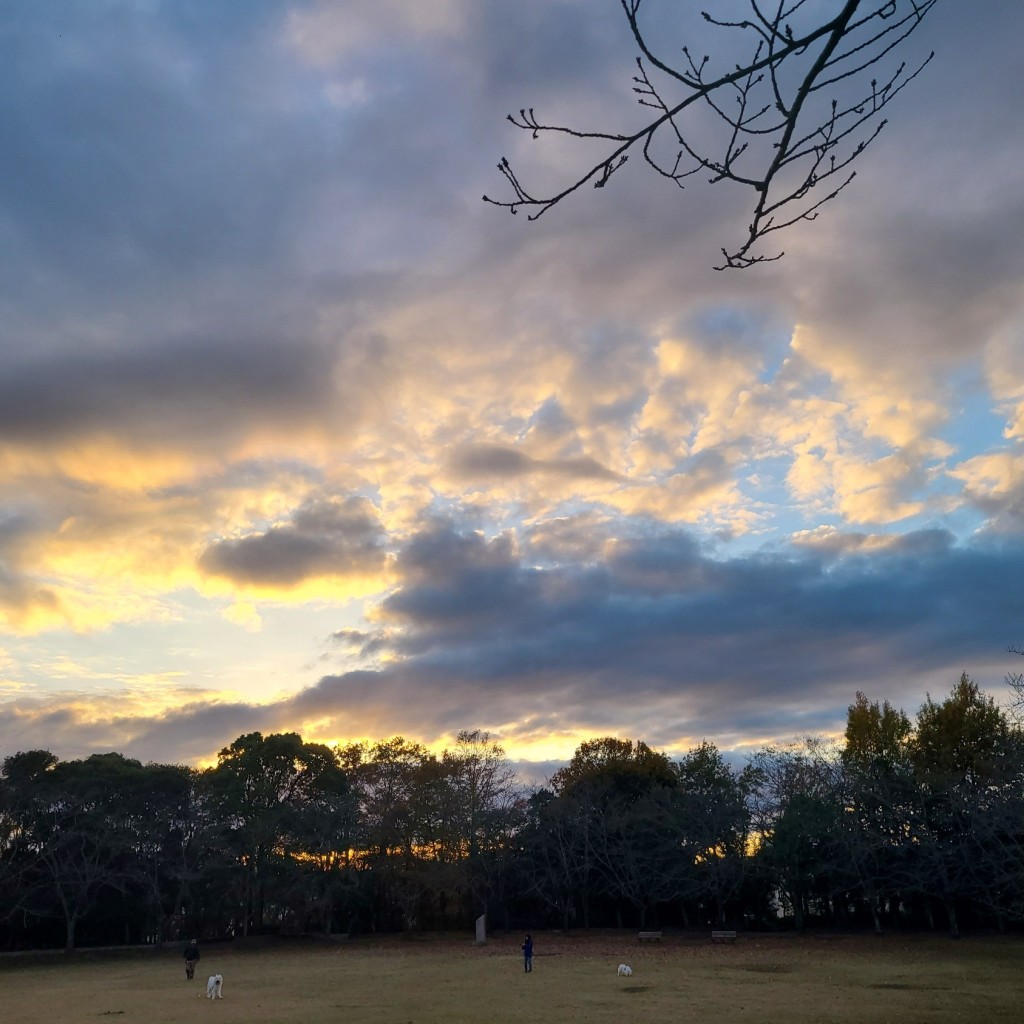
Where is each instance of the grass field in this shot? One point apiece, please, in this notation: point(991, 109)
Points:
point(449, 980)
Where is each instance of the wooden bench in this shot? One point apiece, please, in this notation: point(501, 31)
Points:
point(649, 936)
point(723, 935)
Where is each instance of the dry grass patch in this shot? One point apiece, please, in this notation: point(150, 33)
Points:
point(783, 979)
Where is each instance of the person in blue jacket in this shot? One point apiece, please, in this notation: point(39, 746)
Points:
point(528, 954)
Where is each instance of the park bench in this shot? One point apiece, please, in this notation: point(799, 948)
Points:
point(723, 935)
point(649, 936)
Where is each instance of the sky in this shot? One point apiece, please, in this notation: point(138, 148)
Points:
point(298, 434)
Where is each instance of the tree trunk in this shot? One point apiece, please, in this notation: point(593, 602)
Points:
point(798, 913)
point(247, 901)
point(929, 916)
point(954, 926)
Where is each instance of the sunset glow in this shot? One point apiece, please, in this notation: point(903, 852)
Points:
point(298, 434)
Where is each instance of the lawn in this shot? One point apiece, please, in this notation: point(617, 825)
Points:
point(430, 980)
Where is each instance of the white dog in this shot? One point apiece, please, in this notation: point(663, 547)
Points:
point(214, 986)
point(625, 971)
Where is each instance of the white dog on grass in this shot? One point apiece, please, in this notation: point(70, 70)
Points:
point(625, 971)
point(214, 986)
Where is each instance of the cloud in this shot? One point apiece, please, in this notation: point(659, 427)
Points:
point(323, 32)
point(476, 461)
point(278, 392)
point(701, 646)
point(734, 650)
point(1004, 366)
point(995, 484)
point(189, 391)
point(323, 538)
point(79, 724)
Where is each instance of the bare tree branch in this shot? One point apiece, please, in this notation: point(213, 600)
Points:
point(780, 137)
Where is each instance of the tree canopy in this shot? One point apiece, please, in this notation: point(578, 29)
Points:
point(907, 821)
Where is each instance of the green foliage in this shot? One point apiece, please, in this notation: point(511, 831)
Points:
point(84, 830)
point(876, 734)
point(286, 817)
point(628, 768)
point(964, 737)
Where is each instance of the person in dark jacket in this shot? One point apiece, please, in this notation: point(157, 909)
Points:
point(191, 959)
point(528, 954)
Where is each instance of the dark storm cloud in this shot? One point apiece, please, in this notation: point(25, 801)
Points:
point(351, 637)
point(199, 727)
point(663, 591)
point(184, 734)
point(324, 538)
point(118, 158)
point(767, 642)
point(494, 460)
point(658, 640)
point(459, 579)
point(177, 182)
point(194, 389)
point(159, 167)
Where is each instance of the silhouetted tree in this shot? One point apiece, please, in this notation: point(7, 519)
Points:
point(623, 768)
point(963, 755)
point(398, 826)
point(878, 803)
point(796, 800)
point(486, 799)
point(558, 854)
point(158, 803)
point(73, 831)
point(715, 826)
point(278, 798)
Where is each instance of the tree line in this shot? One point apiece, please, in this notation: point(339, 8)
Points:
point(904, 824)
